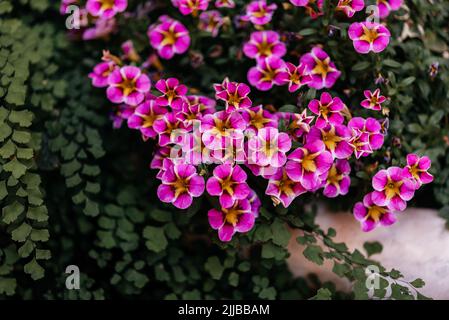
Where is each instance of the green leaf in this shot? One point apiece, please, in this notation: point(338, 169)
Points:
point(418, 283)
point(40, 235)
point(34, 269)
point(26, 249)
point(314, 253)
point(11, 212)
point(372, 247)
point(8, 149)
point(16, 168)
point(21, 136)
point(156, 240)
point(23, 118)
point(39, 214)
point(43, 254)
point(322, 294)
point(21, 233)
point(281, 235)
point(214, 267)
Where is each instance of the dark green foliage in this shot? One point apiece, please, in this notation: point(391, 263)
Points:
point(74, 191)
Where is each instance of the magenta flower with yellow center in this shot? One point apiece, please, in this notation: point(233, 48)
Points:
point(369, 36)
point(319, 66)
point(282, 189)
point(371, 215)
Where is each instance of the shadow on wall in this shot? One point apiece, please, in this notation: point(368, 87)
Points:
point(417, 245)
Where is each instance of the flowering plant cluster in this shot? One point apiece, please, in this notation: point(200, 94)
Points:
point(213, 145)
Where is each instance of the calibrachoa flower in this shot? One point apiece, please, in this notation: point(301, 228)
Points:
point(229, 183)
point(192, 6)
point(254, 202)
point(360, 143)
point(206, 104)
point(173, 93)
point(337, 181)
point(300, 3)
point(416, 169)
point(371, 215)
point(129, 51)
point(258, 118)
point(371, 130)
point(386, 6)
point(120, 113)
point(282, 189)
point(259, 12)
point(106, 8)
point(165, 127)
point(268, 72)
point(369, 36)
point(264, 44)
point(268, 148)
point(180, 183)
point(238, 218)
point(127, 85)
point(297, 123)
point(101, 73)
point(308, 163)
point(327, 109)
point(225, 3)
point(103, 28)
point(321, 68)
point(169, 37)
point(218, 127)
point(234, 94)
point(392, 188)
point(297, 76)
point(350, 7)
point(211, 21)
point(144, 117)
point(335, 138)
point(373, 100)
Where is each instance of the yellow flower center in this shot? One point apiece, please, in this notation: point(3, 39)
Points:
point(107, 4)
point(265, 48)
point(375, 213)
point(369, 35)
point(322, 67)
point(393, 188)
point(232, 215)
point(258, 120)
point(308, 162)
point(330, 139)
point(128, 86)
point(334, 177)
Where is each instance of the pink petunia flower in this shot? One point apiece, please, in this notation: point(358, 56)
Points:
point(367, 135)
point(259, 12)
point(268, 148)
point(211, 21)
point(106, 8)
point(320, 67)
point(180, 184)
point(350, 7)
point(327, 109)
point(282, 189)
point(254, 202)
point(192, 7)
point(417, 168)
point(369, 36)
point(128, 85)
point(308, 164)
point(335, 139)
point(337, 181)
point(264, 44)
point(297, 76)
point(228, 182)
point(297, 124)
point(206, 104)
point(159, 154)
point(299, 3)
point(129, 51)
point(371, 215)
point(225, 3)
point(234, 94)
point(257, 118)
point(221, 128)
point(102, 28)
point(392, 188)
point(238, 218)
point(386, 6)
point(173, 93)
point(373, 100)
point(168, 126)
point(119, 114)
point(144, 117)
point(268, 72)
point(101, 73)
point(169, 37)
